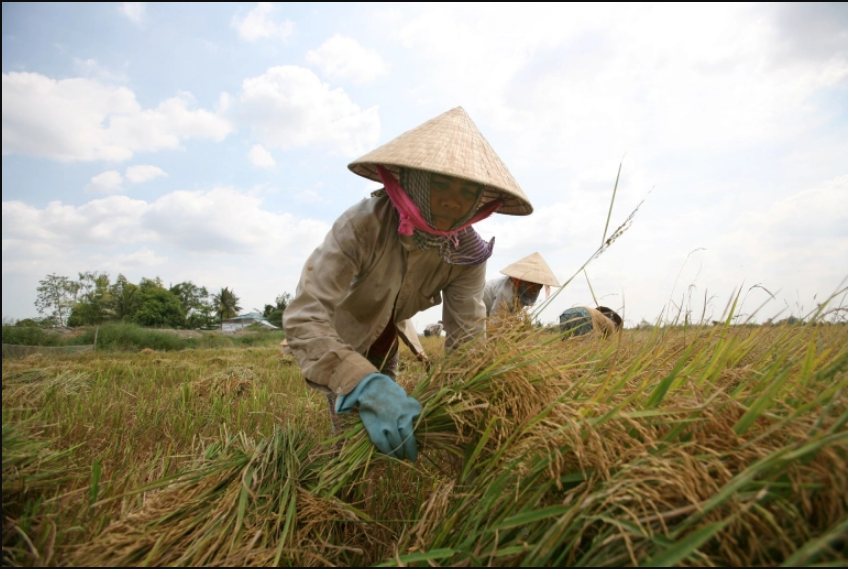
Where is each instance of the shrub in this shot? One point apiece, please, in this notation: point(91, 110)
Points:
point(124, 336)
point(30, 336)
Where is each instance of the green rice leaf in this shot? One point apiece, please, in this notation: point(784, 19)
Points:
point(433, 555)
point(532, 517)
point(682, 549)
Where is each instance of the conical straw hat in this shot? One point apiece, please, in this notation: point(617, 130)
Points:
point(449, 144)
point(532, 268)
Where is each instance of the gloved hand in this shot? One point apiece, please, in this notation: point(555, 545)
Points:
point(387, 413)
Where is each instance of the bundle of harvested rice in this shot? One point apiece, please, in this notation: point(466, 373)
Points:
point(244, 504)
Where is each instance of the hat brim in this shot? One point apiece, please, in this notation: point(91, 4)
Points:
point(451, 145)
point(532, 268)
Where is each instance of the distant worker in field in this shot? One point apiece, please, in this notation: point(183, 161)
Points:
point(409, 247)
point(431, 330)
point(434, 329)
point(520, 287)
point(582, 320)
point(407, 333)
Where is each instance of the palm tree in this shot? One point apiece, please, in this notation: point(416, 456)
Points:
point(226, 303)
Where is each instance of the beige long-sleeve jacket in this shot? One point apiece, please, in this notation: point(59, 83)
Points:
point(499, 295)
point(351, 283)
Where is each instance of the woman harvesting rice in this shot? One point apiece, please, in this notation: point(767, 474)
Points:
point(389, 257)
point(520, 287)
point(581, 320)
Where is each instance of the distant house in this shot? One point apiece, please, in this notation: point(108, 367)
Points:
point(237, 323)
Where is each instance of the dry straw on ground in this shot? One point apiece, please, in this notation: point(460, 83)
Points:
point(31, 386)
point(234, 381)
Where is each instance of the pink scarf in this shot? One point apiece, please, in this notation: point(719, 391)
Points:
point(410, 215)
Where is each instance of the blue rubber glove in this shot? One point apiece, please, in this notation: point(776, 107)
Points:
point(387, 413)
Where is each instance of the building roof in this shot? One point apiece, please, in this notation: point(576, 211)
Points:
point(248, 316)
point(254, 317)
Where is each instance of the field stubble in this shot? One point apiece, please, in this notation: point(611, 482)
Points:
point(713, 446)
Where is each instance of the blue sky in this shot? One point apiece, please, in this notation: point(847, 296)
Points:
point(209, 142)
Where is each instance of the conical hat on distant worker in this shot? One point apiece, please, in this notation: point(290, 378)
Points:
point(449, 144)
point(532, 268)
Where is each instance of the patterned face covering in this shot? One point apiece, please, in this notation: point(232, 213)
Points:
point(417, 186)
point(527, 296)
point(460, 247)
point(470, 249)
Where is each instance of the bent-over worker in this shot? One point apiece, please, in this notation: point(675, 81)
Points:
point(391, 256)
point(520, 287)
point(581, 320)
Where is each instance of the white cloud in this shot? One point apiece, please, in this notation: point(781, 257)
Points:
point(810, 31)
point(290, 107)
point(20, 255)
point(109, 182)
point(344, 58)
point(90, 69)
point(106, 221)
point(222, 220)
point(85, 120)
point(171, 121)
point(580, 81)
point(794, 238)
point(260, 157)
point(82, 119)
point(257, 24)
point(135, 11)
point(795, 247)
point(812, 214)
point(143, 173)
point(143, 257)
point(311, 196)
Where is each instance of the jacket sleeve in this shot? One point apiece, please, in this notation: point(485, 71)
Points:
point(326, 361)
point(464, 313)
point(407, 332)
point(504, 303)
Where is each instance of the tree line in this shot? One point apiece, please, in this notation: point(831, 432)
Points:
point(93, 298)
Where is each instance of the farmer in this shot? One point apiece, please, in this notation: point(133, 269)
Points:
point(581, 320)
point(391, 256)
point(407, 333)
point(520, 287)
point(434, 329)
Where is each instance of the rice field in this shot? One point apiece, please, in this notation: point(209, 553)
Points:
point(696, 446)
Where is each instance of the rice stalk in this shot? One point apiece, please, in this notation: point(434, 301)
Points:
point(246, 504)
point(33, 472)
